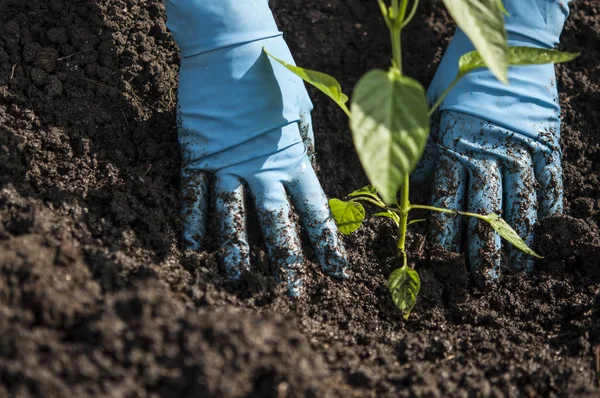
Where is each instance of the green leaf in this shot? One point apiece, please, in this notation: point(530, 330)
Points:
point(324, 82)
point(411, 222)
point(483, 23)
point(364, 191)
point(502, 8)
point(348, 215)
point(516, 56)
point(404, 286)
point(509, 234)
point(368, 194)
point(390, 127)
point(391, 215)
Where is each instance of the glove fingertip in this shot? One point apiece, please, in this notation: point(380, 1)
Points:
point(194, 208)
point(335, 263)
point(235, 257)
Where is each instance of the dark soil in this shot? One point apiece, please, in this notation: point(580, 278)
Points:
point(96, 299)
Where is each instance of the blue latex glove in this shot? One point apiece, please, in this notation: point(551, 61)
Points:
point(499, 145)
point(245, 124)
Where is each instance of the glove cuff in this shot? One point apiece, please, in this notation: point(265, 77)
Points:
point(199, 26)
point(539, 21)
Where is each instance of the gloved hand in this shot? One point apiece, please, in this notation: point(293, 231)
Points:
point(498, 145)
point(245, 124)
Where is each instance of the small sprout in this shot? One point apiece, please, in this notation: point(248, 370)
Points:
point(404, 286)
point(347, 215)
point(389, 119)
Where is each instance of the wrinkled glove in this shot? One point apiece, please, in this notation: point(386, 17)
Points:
point(245, 124)
point(498, 145)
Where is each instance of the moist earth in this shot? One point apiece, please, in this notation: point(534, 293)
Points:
point(98, 299)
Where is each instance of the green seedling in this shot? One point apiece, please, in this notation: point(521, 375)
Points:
point(404, 282)
point(390, 123)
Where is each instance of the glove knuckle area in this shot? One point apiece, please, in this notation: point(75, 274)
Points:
point(277, 154)
point(474, 137)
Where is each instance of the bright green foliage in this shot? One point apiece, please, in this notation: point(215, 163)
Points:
point(347, 215)
point(483, 23)
point(325, 83)
point(389, 119)
point(502, 8)
point(390, 127)
point(509, 234)
point(365, 191)
point(404, 286)
point(516, 56)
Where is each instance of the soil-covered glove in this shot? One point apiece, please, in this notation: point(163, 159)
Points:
point(245, 124)
point(498, 145)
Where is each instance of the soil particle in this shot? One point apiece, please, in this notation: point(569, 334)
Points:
point(97, 299)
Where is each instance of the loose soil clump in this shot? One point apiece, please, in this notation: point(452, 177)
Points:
point(97, 299)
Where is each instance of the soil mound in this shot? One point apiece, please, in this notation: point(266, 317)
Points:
point(96, 299)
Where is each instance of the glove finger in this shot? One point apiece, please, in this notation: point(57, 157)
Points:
point(194, 207)
point(546, 155)
point(485, 196)
point(234, 252)
point(448, 192)
point(308, 136)
point(521, 205)
point(280, 234)
point(549, 175)
point(311, 203)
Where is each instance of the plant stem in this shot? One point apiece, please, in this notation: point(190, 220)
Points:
point(397, 18)
point(444, 94)
point(346, 110)
point(397, 47)
point(370, 200)
point(440, 210)
point(384, 12)
point(404, 210)
point(413, 11)
point(402, 11)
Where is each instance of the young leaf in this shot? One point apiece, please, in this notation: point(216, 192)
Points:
point(411, 222)
point(324, 82)
point(502, 8)
point(483, 23)
point(348, 215)
point(364, 191)
point(390, 127)
point(516, 56)
point(404, 286)
point(389, 214)
point(509, 234)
